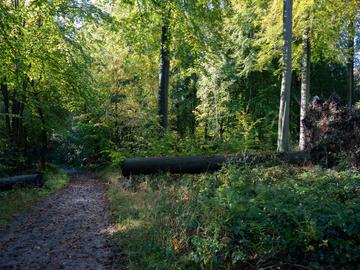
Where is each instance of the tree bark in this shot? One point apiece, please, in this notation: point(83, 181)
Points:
point(5, 94)
point(15, 112)
point(21, 133)
point(284, 110)
point(44, 140)
point(164, 74)
point(350, 65)
point(305, 84)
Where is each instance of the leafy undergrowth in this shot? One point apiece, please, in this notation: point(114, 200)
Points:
point(240, 218)
point(21, 198)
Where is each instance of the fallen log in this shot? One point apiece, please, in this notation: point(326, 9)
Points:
point(150, 165)
point(31, 179)
point(199, 164)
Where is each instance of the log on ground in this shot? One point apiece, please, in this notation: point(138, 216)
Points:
point(200, 164)
point(31, 179)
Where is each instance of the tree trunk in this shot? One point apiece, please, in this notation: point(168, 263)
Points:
point(21, 134)
point(15, 119)
point(5, 93)
point(44, 141)
point(200, 164)
point(350, 64)
point(305, 84)
point(21, 137)
point(17, 134)
point(164, 74)
point(283, 127)
point(26, 153)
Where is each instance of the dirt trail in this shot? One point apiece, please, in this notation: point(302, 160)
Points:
point(70, 229)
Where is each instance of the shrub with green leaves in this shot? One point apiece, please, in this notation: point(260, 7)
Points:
point(261, 217)
point(256, 218)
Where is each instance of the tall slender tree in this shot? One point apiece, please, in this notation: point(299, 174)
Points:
point(350, 63)
point(305, 84)
point(170, 24)
point(284, 111)
point(164, 73)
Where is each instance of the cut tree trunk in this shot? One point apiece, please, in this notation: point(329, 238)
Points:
point(200, 164)
point(284, 110)
point(31, 179)
point(305, 85)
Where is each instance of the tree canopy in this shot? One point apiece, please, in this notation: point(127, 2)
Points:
point(88, 76)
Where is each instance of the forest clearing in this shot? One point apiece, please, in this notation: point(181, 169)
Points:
point(180, 134)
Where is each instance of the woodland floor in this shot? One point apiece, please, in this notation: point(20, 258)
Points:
point(71, 229)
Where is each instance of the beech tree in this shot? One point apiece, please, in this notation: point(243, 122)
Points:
point(307, 14)
point(284, 110)
point(44, 71)
point(305, 84)
point(350, 62)
point(164, 73)
point(203, 71)
point(170, 23)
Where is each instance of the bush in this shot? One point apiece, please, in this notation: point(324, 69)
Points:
point(261, 217)
point(243, 218)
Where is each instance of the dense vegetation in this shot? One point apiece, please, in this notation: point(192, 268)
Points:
point(89, 83)
point(252, 217)
point(79, 81)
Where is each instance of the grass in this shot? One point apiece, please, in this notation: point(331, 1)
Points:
point(19, 199)
point(254, 217)
point(131, 211)
point(138, 211)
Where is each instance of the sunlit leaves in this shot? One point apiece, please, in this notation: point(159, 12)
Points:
point(326, 20)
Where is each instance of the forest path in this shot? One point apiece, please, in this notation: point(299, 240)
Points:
point(70, 229)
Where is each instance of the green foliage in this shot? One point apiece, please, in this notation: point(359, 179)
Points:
point(84, 76)
point(249, 217)
point(213, 93)
point(55, 180)
point(276, 215)
point(10, 161)
point(87, 144)
point(19, 199)
point(44, 74)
